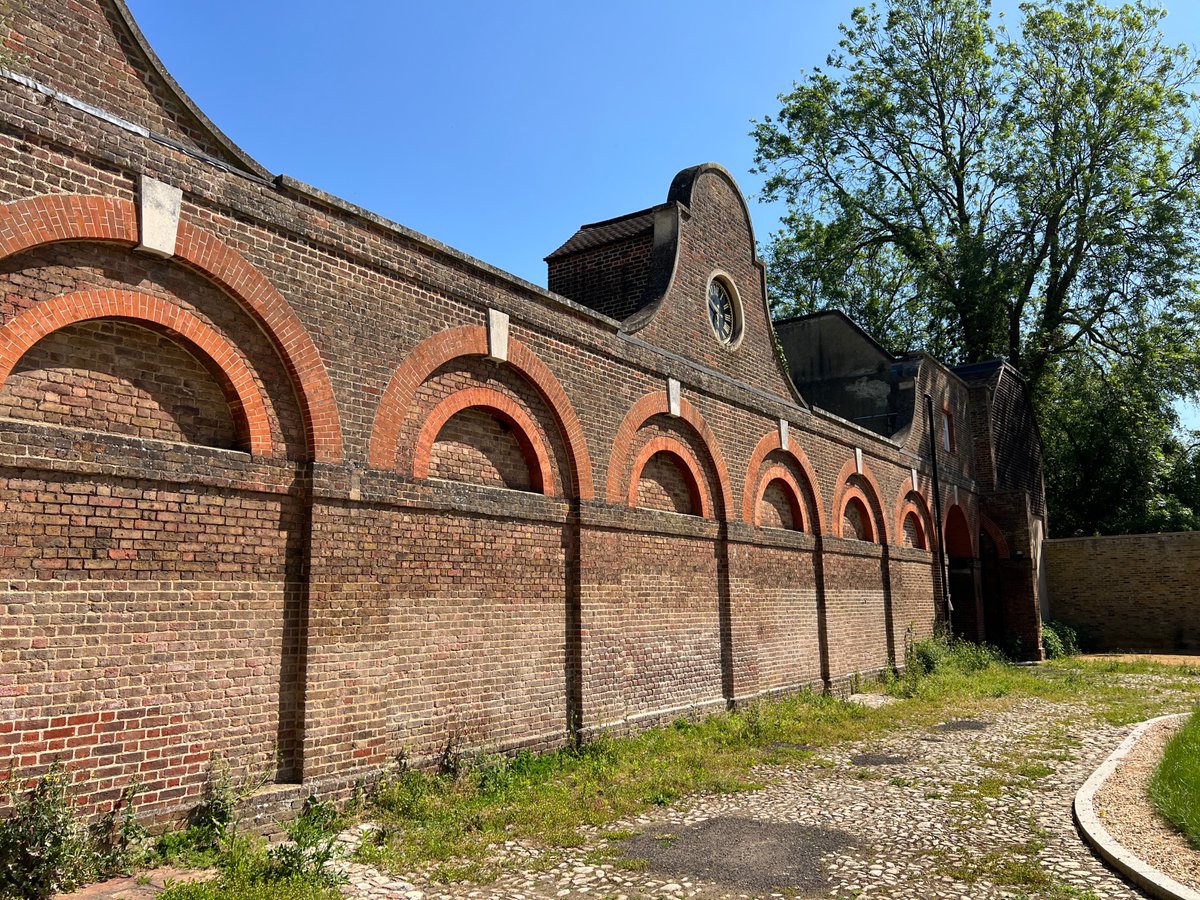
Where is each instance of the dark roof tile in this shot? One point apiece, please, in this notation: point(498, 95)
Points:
point(599, 233)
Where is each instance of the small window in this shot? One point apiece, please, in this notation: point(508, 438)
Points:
point(948, 443)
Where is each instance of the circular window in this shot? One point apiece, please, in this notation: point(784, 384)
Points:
point(724, 311)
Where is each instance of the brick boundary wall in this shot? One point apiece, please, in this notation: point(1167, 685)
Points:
point(1127, 592)
point(321, 599)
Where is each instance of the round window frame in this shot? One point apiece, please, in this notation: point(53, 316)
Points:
point(735, 299)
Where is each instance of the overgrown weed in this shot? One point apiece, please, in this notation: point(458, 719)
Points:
point(299, 868)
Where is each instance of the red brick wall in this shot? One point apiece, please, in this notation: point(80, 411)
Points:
point(650, 615)
point(147, 621)
point(915, 593)
point(914, 533)
point(664, 485)
point(481, 439)
point(611, 279)
point(316, 593)
point(1128, 592)
point(775, 508)
point(62, 269)
point(857, 607)
point(110, 376)
point(81, 48)
point(476, 447)
point(433, 629)
point(856, 521)
point(774, 614)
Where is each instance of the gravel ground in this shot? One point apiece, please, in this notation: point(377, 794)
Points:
point(1129, 816)
point(965, 811)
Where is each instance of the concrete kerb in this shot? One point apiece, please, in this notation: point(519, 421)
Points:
point(1113, 853)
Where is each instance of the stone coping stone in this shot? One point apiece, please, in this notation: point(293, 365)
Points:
point(1140, 873)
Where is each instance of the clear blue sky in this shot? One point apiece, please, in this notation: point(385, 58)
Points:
point(498, 128)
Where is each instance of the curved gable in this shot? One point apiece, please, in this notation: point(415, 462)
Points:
point(653, 269)
point(93, 50)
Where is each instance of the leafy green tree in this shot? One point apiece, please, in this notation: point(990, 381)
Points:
point(976, 193)
point(984, 194)
point(1119, 465)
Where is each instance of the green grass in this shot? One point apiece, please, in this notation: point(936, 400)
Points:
point(1175, 784)
point(1016, 867)
point(436, 824)
point(253, 881)
point(294, 870)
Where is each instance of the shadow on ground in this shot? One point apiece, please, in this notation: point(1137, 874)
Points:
point(748, 854)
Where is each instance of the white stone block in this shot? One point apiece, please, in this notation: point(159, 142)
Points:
point(497, 335)
point(158, 216)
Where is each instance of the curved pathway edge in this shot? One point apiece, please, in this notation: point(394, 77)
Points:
point(1113, 853)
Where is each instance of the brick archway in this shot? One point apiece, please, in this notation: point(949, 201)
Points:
point(755, 484)
point(993, 531)
point(471, 340)
point(910, 500)
point(870, 496)
point(697, 487)
point(25, 224)
point(643, 410)
point(909, 508)
point(533, 448)
point(854, 495)
point(795, 495)
point(956, 532)
point(242, 393)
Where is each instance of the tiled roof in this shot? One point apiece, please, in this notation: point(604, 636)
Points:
point(606, 232)
point(980, 371)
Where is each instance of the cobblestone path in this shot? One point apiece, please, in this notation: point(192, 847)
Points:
point(968, 809)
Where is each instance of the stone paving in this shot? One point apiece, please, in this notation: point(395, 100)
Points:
point(907, 815)
point(915, 814)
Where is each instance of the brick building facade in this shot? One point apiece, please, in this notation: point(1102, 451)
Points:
point(286, 482)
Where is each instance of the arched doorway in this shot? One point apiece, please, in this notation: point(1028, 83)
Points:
point(991, 588)
point(960, 558)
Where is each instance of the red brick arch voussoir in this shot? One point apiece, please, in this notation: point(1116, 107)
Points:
point(779, 472)
point(910, 500)
point(29, 223)
point(533, 448)
point(971, 535)
point(698, 484)
point(34, 221)
point(997, 536)
point(218, 261)
point(242, 392)
point(873, 502)
point(854, 493)
point(653, 404)
point(471, 340)
point(755, 485)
